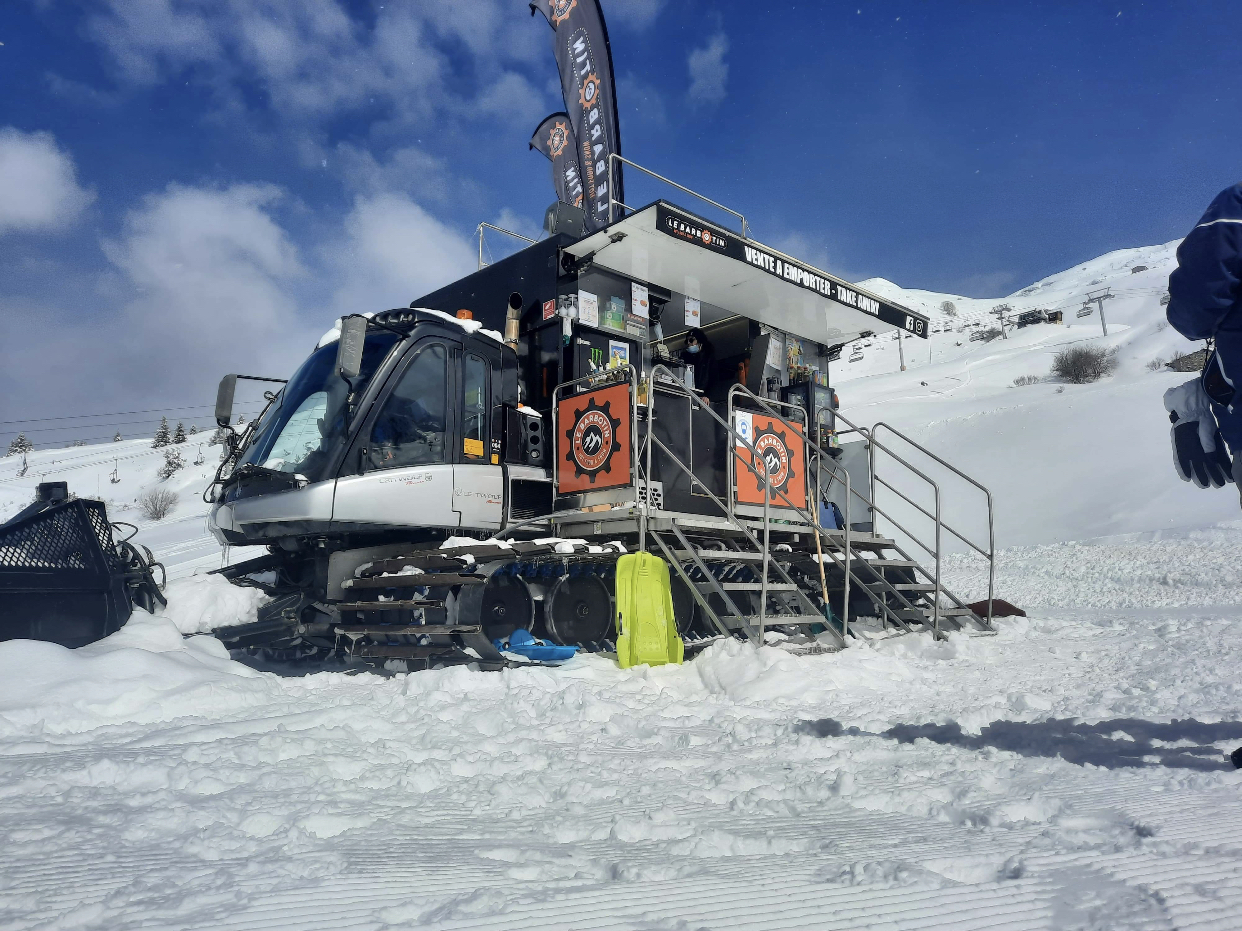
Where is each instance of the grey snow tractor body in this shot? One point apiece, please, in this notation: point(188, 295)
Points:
point(437, 476)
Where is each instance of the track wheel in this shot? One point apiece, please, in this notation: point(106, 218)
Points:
point(578, 609)
point(501, 606)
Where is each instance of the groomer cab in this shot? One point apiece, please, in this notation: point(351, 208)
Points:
point(630, 420)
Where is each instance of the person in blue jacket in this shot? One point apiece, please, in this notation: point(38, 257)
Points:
point(1205, 302)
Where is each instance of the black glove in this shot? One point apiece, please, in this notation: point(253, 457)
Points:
point(1198, 450)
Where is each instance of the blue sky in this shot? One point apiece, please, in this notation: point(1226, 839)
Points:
point(203, 185)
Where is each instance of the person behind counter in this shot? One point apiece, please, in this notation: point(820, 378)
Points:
point(699, 356)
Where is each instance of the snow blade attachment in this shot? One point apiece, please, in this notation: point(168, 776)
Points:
point(647, 630)
point(62, 576)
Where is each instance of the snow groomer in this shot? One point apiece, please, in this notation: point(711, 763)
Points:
point(1205, 302)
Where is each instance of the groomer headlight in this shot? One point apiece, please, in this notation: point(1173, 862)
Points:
point(400, 318)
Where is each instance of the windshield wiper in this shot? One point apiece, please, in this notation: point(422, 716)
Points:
point(249, 468)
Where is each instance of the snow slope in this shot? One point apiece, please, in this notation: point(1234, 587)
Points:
point(1068, 773)
point(179, 540)
point(1064, 462)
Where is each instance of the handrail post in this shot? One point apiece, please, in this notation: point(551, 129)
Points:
point(936, 593)
point(767, 550)
point(612, 187)
point(845, 604)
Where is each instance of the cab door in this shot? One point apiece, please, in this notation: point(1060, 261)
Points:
point(478, 478)
point(400, 470)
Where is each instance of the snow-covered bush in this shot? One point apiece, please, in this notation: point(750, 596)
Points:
point(949, 309)
point(1080, 365)
point(179, 435)
point(989, 334)
point(172, 462)
point(117, 438)
point(157, 503)
point(163, 436)
point(19, 445)
point(1026, 380)
point(218, 438)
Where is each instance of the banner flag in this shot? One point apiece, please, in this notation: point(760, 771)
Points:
point(555, 139)
point(584, 59)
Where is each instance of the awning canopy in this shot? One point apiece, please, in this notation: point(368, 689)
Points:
point(671, 248)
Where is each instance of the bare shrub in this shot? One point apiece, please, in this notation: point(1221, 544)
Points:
point(157, 503)
point(1080, 365)
point(1155, 364)
point(989, 334)
point(1026, 380)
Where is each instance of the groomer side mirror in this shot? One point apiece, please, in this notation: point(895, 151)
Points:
point(349, 350)
point(224, 400)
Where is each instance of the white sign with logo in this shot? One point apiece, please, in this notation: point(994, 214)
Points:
point(588, 308)
point(744, 428)
point(692, 311)
point(639, 303)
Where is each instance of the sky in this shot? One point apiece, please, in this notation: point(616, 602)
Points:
point(192, 187)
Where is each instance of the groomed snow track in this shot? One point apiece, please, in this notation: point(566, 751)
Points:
point(150, 782)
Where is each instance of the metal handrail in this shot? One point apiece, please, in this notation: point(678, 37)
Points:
point(613, 157)
point(872, 445)
point(990, 555)
point(641, 502)
point(737, 440)
point(811, 521)
point(824, 458)
point(870, 502)
point(498, 229)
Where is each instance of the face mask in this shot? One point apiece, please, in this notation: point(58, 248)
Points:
point(692, 349)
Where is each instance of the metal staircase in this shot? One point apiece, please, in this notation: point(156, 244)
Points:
point(750, 575)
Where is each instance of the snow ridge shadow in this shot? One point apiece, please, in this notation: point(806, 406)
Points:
point(1112, 744)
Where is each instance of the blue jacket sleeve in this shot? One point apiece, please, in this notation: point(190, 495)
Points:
point(1205, 291)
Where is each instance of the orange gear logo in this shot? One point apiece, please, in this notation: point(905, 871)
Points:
point(588, 93)
point(561, 10)
point(772, 450)
point(558, 139)
point(592, 440)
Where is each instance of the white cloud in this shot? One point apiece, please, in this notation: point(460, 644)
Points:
point(709, 71)
point(212, 276)
point(38, 183)
point(203, 281)
point(393, 252)
point(314, 60)
point(636, 14)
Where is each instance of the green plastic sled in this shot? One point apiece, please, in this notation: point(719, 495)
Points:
point(646, 628)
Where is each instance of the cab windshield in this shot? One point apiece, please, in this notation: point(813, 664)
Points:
point(301, 429)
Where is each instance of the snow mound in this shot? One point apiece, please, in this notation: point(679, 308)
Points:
point(145, 672)
point(200, 603)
